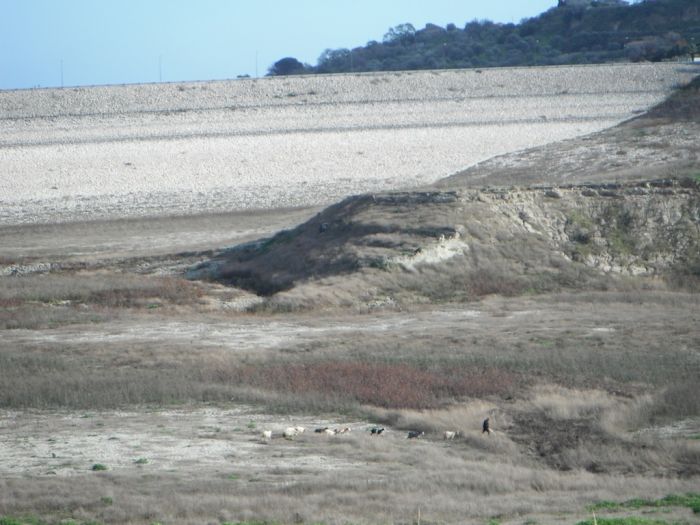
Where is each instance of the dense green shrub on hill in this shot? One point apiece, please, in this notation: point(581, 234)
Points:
point(601, 31)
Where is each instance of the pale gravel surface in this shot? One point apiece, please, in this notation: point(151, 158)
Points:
point(163, 149)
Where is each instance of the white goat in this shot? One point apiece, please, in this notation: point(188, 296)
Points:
point(267, 434)
point(449, 434)
point(290, 432)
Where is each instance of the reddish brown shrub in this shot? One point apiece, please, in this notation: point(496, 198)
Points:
point(388, 385)
point(487, 282)
point(10, 302)
point(176, 291)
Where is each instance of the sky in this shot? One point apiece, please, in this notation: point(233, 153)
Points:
point(53, 43)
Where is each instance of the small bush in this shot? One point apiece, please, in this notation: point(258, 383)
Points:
point(678, 401)
point(98, 467)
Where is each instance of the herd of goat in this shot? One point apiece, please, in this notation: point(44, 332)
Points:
point(291, 432)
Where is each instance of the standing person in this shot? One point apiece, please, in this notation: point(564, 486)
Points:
point(485, 428)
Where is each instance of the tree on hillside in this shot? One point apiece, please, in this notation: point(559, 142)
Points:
point(575, 32)
point(334, 60)
point(400, 34)
point(287, 66)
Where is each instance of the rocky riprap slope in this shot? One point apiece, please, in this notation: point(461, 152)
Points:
point(113, 152)
point(661, 143)
point(451, 245)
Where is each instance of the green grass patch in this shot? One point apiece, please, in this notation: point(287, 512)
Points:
point(630, 520)
point(8, 520)
point(690, 500)
point(98, 467)
point(579, 219)
point(543, 343)
point(605, 505)
point(620, 242)
point(617, 226)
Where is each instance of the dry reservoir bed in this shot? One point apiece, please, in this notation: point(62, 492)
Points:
point(112, 361)
point(185, 148)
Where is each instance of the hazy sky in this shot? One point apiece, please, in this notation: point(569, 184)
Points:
point(126, 41)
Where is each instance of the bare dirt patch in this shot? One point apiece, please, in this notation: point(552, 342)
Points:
point(193, 440)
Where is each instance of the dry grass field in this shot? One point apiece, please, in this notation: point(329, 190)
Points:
point(592, 397)
point(131, 394)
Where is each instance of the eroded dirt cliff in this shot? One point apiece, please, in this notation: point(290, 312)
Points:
point(613, 209)
point(424, 246)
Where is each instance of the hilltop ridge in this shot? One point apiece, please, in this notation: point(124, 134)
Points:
point(574, 32)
